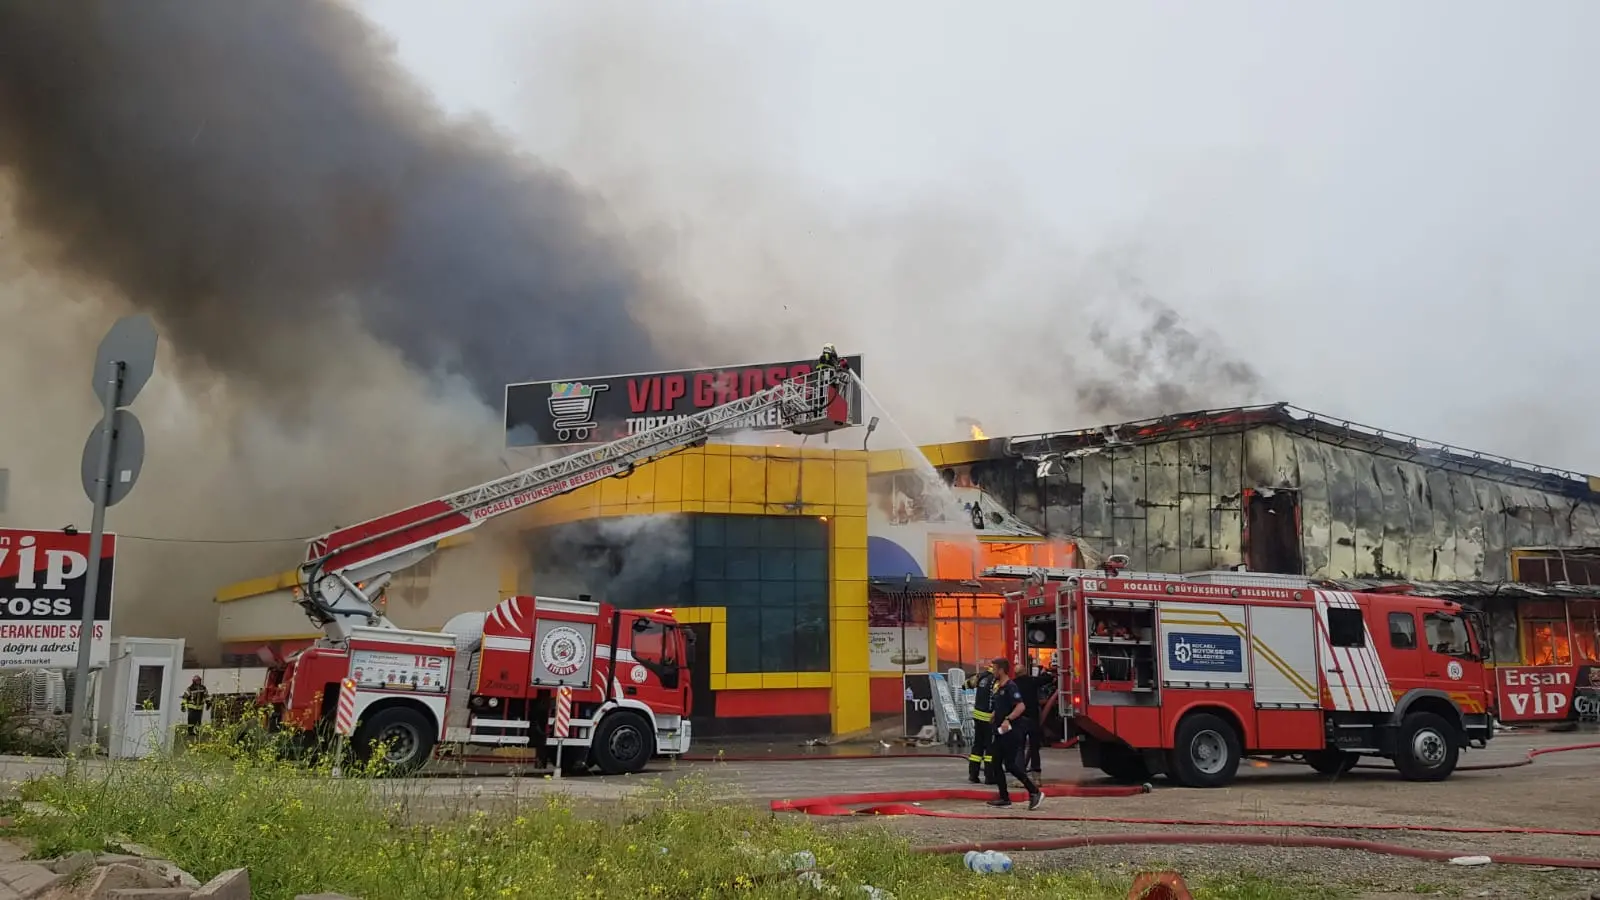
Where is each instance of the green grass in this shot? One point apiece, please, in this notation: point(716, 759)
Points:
point(301, 832)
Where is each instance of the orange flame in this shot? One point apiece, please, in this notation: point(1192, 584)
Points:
point(977, 433)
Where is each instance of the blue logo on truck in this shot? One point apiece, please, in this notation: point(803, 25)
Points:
point(1205, 652)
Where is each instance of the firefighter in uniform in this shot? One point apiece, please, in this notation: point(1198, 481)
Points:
point(982, 727)
point(829, 358)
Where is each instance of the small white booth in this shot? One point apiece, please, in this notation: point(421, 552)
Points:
point(139, 696)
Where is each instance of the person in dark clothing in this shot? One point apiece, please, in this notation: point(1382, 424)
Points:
point(982, 731)
point(1009, 726)
point(1033, 738)
point(194, 703)
point(829, 358)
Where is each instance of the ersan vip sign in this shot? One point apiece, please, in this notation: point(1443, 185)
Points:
point(42, 585)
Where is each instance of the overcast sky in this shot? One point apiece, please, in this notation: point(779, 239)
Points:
point(1388, 209)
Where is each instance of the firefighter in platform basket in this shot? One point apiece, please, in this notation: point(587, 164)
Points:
point(982, 731)
point(829, 358)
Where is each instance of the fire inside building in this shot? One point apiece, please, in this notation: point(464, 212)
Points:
point(818, 579)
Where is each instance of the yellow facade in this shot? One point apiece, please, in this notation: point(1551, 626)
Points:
point(768, 481)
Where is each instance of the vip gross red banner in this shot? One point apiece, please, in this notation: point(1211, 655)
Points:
point(43, 582)
point(595, 410)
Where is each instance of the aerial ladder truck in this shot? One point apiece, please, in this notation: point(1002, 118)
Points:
point(491, 679)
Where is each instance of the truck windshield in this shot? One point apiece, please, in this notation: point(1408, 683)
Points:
point(1447, 634)
point(654, 644)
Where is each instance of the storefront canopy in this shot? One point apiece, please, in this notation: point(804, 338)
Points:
point(941, 587)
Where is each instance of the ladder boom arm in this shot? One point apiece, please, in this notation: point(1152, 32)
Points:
point(337, 562)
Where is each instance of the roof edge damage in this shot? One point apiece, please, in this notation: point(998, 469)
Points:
point(921, 588)
point(1312, 425)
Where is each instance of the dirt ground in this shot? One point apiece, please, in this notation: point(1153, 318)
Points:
point(1558, 791)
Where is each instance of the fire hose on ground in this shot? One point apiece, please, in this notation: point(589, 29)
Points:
point(901, 803)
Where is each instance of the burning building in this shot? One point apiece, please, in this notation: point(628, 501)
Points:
point(820, 578)
point(1279, 489)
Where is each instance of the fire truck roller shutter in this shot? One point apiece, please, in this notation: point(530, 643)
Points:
point(1203, 646)
point(1283, 655)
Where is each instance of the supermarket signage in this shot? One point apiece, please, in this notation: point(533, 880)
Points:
point(597, 410)
point(42, 586)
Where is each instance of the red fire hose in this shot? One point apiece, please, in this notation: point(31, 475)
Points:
point(1261, 840)
point(899, 803)
point(814, 757)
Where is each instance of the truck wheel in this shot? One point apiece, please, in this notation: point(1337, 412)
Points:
point(1426, 748)
point(1332, 762)
point(1207, 752)
point(623, 743)
point(406, 736)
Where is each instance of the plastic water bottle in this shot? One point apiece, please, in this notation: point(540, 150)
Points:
point(987, 862)
point(805, 859)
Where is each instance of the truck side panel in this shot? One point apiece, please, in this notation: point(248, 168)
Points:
point(1290, 729)
point(1140, 726)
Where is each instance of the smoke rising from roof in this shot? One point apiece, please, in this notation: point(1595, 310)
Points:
point(343, 277)
point(964, 298)
point(252, 169)
point(949, 192)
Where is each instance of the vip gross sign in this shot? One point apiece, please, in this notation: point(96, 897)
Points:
point(41, 598)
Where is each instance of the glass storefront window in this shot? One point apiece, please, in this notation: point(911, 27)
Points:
point(771, 573)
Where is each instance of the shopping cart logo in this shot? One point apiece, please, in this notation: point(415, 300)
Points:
point(572, 409)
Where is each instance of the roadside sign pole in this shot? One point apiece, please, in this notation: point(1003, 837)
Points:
point(91, 586)
point(122, 367)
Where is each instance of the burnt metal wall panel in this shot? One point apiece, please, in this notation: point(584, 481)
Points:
point(1161, 507)
point(1440, 530)
point(1175, 506)
point(1227, 487)
point(1467, 528)
point(1316, 512)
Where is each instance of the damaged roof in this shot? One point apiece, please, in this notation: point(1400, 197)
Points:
point(1472, 590)
point(1316, 426)
point(919, 587)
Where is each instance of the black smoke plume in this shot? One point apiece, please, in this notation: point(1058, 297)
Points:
point(252, 171)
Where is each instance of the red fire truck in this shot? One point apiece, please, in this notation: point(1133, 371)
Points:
point(490, 679)
point(1184, 675)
